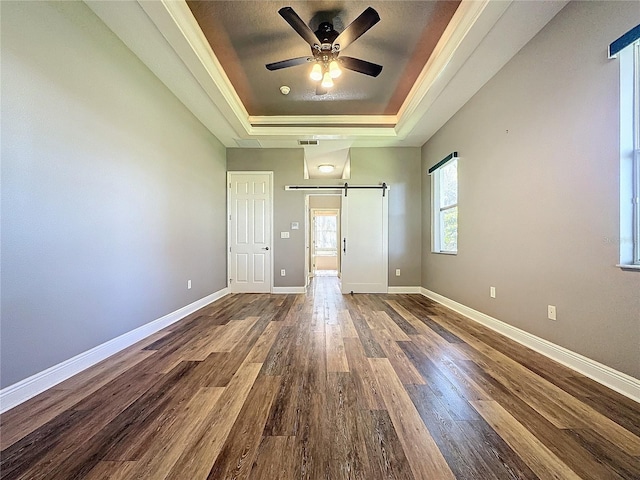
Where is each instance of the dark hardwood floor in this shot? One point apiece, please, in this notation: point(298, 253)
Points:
point(324, 386)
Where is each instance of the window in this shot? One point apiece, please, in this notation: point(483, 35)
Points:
point(444, 201)
point(326, 233)
point(628, 50)
point(636, 154)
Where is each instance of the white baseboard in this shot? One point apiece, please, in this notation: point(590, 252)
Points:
point(280, 290)
point(607, 376)
point(404, 290)
point(22, 391)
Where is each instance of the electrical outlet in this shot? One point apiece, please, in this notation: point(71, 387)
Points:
point(283, 272)
point(492, 292)
point(551, 312)
point(397, 272)
point(189, 284)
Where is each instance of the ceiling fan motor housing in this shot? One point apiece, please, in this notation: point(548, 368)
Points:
point(326, 33)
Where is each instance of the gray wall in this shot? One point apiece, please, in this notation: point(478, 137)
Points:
point(324, 201)
point(399, 167)
point(539, 186)
point(113, 194)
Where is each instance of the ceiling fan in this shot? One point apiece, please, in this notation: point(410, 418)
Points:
point(326, 45)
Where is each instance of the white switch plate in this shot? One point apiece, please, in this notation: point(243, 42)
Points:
point(284, 234)
point(295, 226)
point(397, 272)
point(551, 312)
point(283, 272)
point(493, 292)
point(188, 284)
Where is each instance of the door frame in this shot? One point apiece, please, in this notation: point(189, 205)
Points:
point(330, 192)
point(307, 245)
point(249, 172)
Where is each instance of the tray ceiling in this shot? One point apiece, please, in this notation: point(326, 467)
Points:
point(246, 35)
point(435, 55)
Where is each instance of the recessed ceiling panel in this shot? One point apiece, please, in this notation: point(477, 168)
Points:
point(246, 35)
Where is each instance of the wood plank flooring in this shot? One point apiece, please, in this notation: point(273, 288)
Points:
point(324, 386)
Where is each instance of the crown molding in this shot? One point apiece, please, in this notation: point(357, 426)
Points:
point(181, 30)
point(334, 132)
point(365, 120)
point(470, 24)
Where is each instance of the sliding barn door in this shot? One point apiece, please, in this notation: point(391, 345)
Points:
point(250, 232)
point(365, 243)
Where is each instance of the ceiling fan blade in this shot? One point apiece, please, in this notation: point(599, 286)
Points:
point(292, 62)
point(320, 90)
point(364, 22)
point(292, 18)
point(361, 66)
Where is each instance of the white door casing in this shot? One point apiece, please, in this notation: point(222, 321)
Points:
point(365, 246)
point(250, 231)
point(307, 246)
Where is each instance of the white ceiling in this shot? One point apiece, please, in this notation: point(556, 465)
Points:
point(481, 37)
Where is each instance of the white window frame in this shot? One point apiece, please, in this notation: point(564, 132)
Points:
point(636, 152)
point(438, 210)
point(326, 212)
point(630, 156)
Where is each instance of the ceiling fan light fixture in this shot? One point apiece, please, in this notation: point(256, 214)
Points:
point(326, 44)
point(316, 72)
point(327, 81)
point(326, 168)
point(334, 69)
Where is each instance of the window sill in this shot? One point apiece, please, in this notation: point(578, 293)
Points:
point(628, 267)
point(446, 253)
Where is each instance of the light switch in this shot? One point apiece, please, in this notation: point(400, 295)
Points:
point(284, 234)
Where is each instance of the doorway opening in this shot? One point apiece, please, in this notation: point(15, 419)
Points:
point(323, 254)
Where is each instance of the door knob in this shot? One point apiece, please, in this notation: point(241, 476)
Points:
point(265, 248)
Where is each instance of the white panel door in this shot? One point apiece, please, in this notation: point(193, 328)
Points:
point(365, 241)
point(250, 232)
